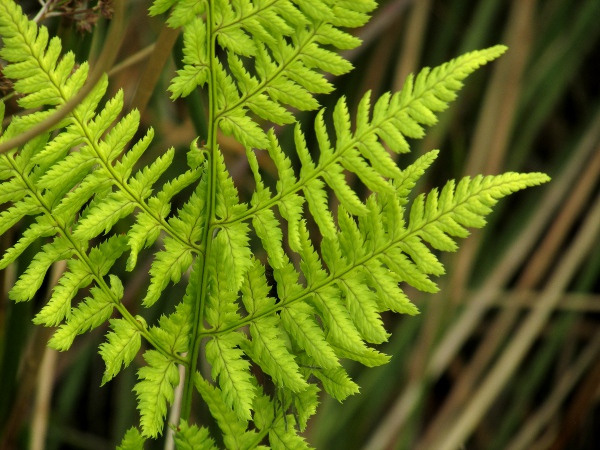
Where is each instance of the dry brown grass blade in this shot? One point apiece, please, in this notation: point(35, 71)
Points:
point(132, 60)
point(523, 338)
point(494, 127)
point(526, 299)
point(31, 374)
point(495, 124)
point(579, 408)
point(412, 45)
point(540, 262)
point(381, 21)
point(524, 439)
point(160, 54)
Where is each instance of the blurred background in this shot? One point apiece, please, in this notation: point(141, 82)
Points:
point(507, 355)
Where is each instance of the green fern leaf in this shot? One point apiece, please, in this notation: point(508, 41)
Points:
point(121, 346)
point(68, 172)
point(154, 390)
point(31, 280)
point(232, 242)
point(143, 233)
point(13, 190)
point(104, 256)
point(268, 229)
point(282, 438)
point(59, 306)
point(264, 411)
point(408, 272)
point(160, 6)
point(196, 67)
point(43, 227)
point(124, 167)
point(255, 291)
point(298, 321)
point(234, 431)
point(103, 216)
point(310, 264)
point(89, 314)
point(315, 195)
point(257, 59)
point(183, 11)
point(337, 383)
point(245, 131)
point(168, 265)
point(93, 185)
point(143, 181)
point(232, 372)
point(362, 307)
point(270, 352)
point(173, 330)
point(133, 440)
point(306, 403)
point(192, 438)
point(390, 295)
point(10, 217)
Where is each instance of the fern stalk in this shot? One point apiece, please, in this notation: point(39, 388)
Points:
point(198, 319)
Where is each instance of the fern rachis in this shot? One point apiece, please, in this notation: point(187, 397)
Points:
point(254, 59)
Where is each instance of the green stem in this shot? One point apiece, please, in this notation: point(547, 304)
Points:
point(198, 321)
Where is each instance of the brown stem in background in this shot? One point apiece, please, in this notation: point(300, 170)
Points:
point(30, 375)
point(523, 440)
point(160, 54)
point(412, 46)
point(495, 124)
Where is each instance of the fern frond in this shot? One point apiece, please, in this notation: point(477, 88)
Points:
point(59, 306)
point(234, 431)
point(41, 228)
point(336, 383)
point(31, 280)
point(286, 46)
point(196, 67)
point(154, 390)
point(168, 265)
point(255, 290)
point(362, 307)
point(270, 352)
point(132, 440)
point(393, 117)
point(121, 346)
point(233, 373)
point(89, 314)
point(306, 403)
point(258, 59)
point(283, 438)
point(193, 438)
point(174, 329)
point(298, 320)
